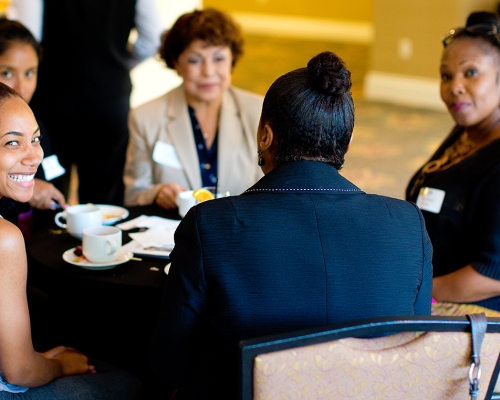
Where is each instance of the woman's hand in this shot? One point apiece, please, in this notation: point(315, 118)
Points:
point(464, 285)
point(168, 194)
point(72, 361)
point(44, 195)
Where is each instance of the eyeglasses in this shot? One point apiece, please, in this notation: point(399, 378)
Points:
point(485, 30)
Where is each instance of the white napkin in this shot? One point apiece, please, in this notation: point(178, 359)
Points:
point(145, 221)
point(158, 240)
point(155, 237)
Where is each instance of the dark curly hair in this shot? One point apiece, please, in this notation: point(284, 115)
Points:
point(311, 112)
point(210, 25)
point(15, 32)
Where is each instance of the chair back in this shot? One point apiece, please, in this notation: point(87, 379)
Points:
point(423, 357)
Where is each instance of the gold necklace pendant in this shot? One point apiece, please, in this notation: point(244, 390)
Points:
point(462, 147)
point(453, 154)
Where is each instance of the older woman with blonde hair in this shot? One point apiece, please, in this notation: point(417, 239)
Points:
point(200, 133)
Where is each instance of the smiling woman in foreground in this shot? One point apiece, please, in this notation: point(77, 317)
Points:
point(458, 190)
point(301, 248)
point(25, 373)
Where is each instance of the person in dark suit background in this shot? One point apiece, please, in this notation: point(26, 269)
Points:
point(303, 247)
point(87, 57)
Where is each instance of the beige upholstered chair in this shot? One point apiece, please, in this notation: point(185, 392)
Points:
point(429, 358)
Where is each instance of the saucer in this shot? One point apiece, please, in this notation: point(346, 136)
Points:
point(70, 257)
point(112, 214)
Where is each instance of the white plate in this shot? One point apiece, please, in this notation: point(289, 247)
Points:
point(70, 257)
point(112, 214)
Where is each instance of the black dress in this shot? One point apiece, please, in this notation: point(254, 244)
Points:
point(467, 229)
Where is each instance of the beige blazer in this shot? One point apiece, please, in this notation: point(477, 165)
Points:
point(166, 120)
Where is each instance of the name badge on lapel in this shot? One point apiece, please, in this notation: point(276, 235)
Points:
point(165, 154)
point(51, 167)
point(430, 199)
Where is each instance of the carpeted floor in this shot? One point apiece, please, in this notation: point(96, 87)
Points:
point(390, 142)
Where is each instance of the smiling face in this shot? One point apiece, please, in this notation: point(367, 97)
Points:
point(18, 69)
point(470, 82)
point(206, 71)
point(20, 150)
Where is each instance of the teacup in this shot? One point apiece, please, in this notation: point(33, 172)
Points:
point(101, 244)
point(78, 218)
point(185, 201)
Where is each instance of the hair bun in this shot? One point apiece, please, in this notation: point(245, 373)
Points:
point(482, 18)
point(329, 74)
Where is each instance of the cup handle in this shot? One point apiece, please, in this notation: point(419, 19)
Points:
point(112, 246)
point(57, 217)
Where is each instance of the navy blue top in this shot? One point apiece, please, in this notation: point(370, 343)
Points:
point(207, 157)
point(303, 247)
point(467, 229)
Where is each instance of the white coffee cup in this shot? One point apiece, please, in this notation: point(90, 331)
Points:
point(78, 218)
point(101, 244)
point(185, 201)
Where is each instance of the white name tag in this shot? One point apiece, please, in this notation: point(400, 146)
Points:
point(430, 199)
point(165, 154)
point(51, 167)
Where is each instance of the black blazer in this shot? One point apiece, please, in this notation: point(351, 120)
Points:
point(302, 247)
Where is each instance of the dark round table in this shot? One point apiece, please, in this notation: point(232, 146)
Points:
point(108, 314)
point(46, 247)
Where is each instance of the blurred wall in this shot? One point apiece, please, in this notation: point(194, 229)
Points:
point(407, 47)
point(404, 37)
point(338, 20)
point(151, 78)
point(355, 10)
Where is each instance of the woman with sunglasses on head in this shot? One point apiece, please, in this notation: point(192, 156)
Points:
point(458, 189)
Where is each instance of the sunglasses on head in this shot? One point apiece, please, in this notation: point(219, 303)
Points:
point(485, 30)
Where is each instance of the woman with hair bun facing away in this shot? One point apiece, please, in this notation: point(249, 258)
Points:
point(303, 247)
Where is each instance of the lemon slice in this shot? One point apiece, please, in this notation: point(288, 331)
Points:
point(203, 195)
